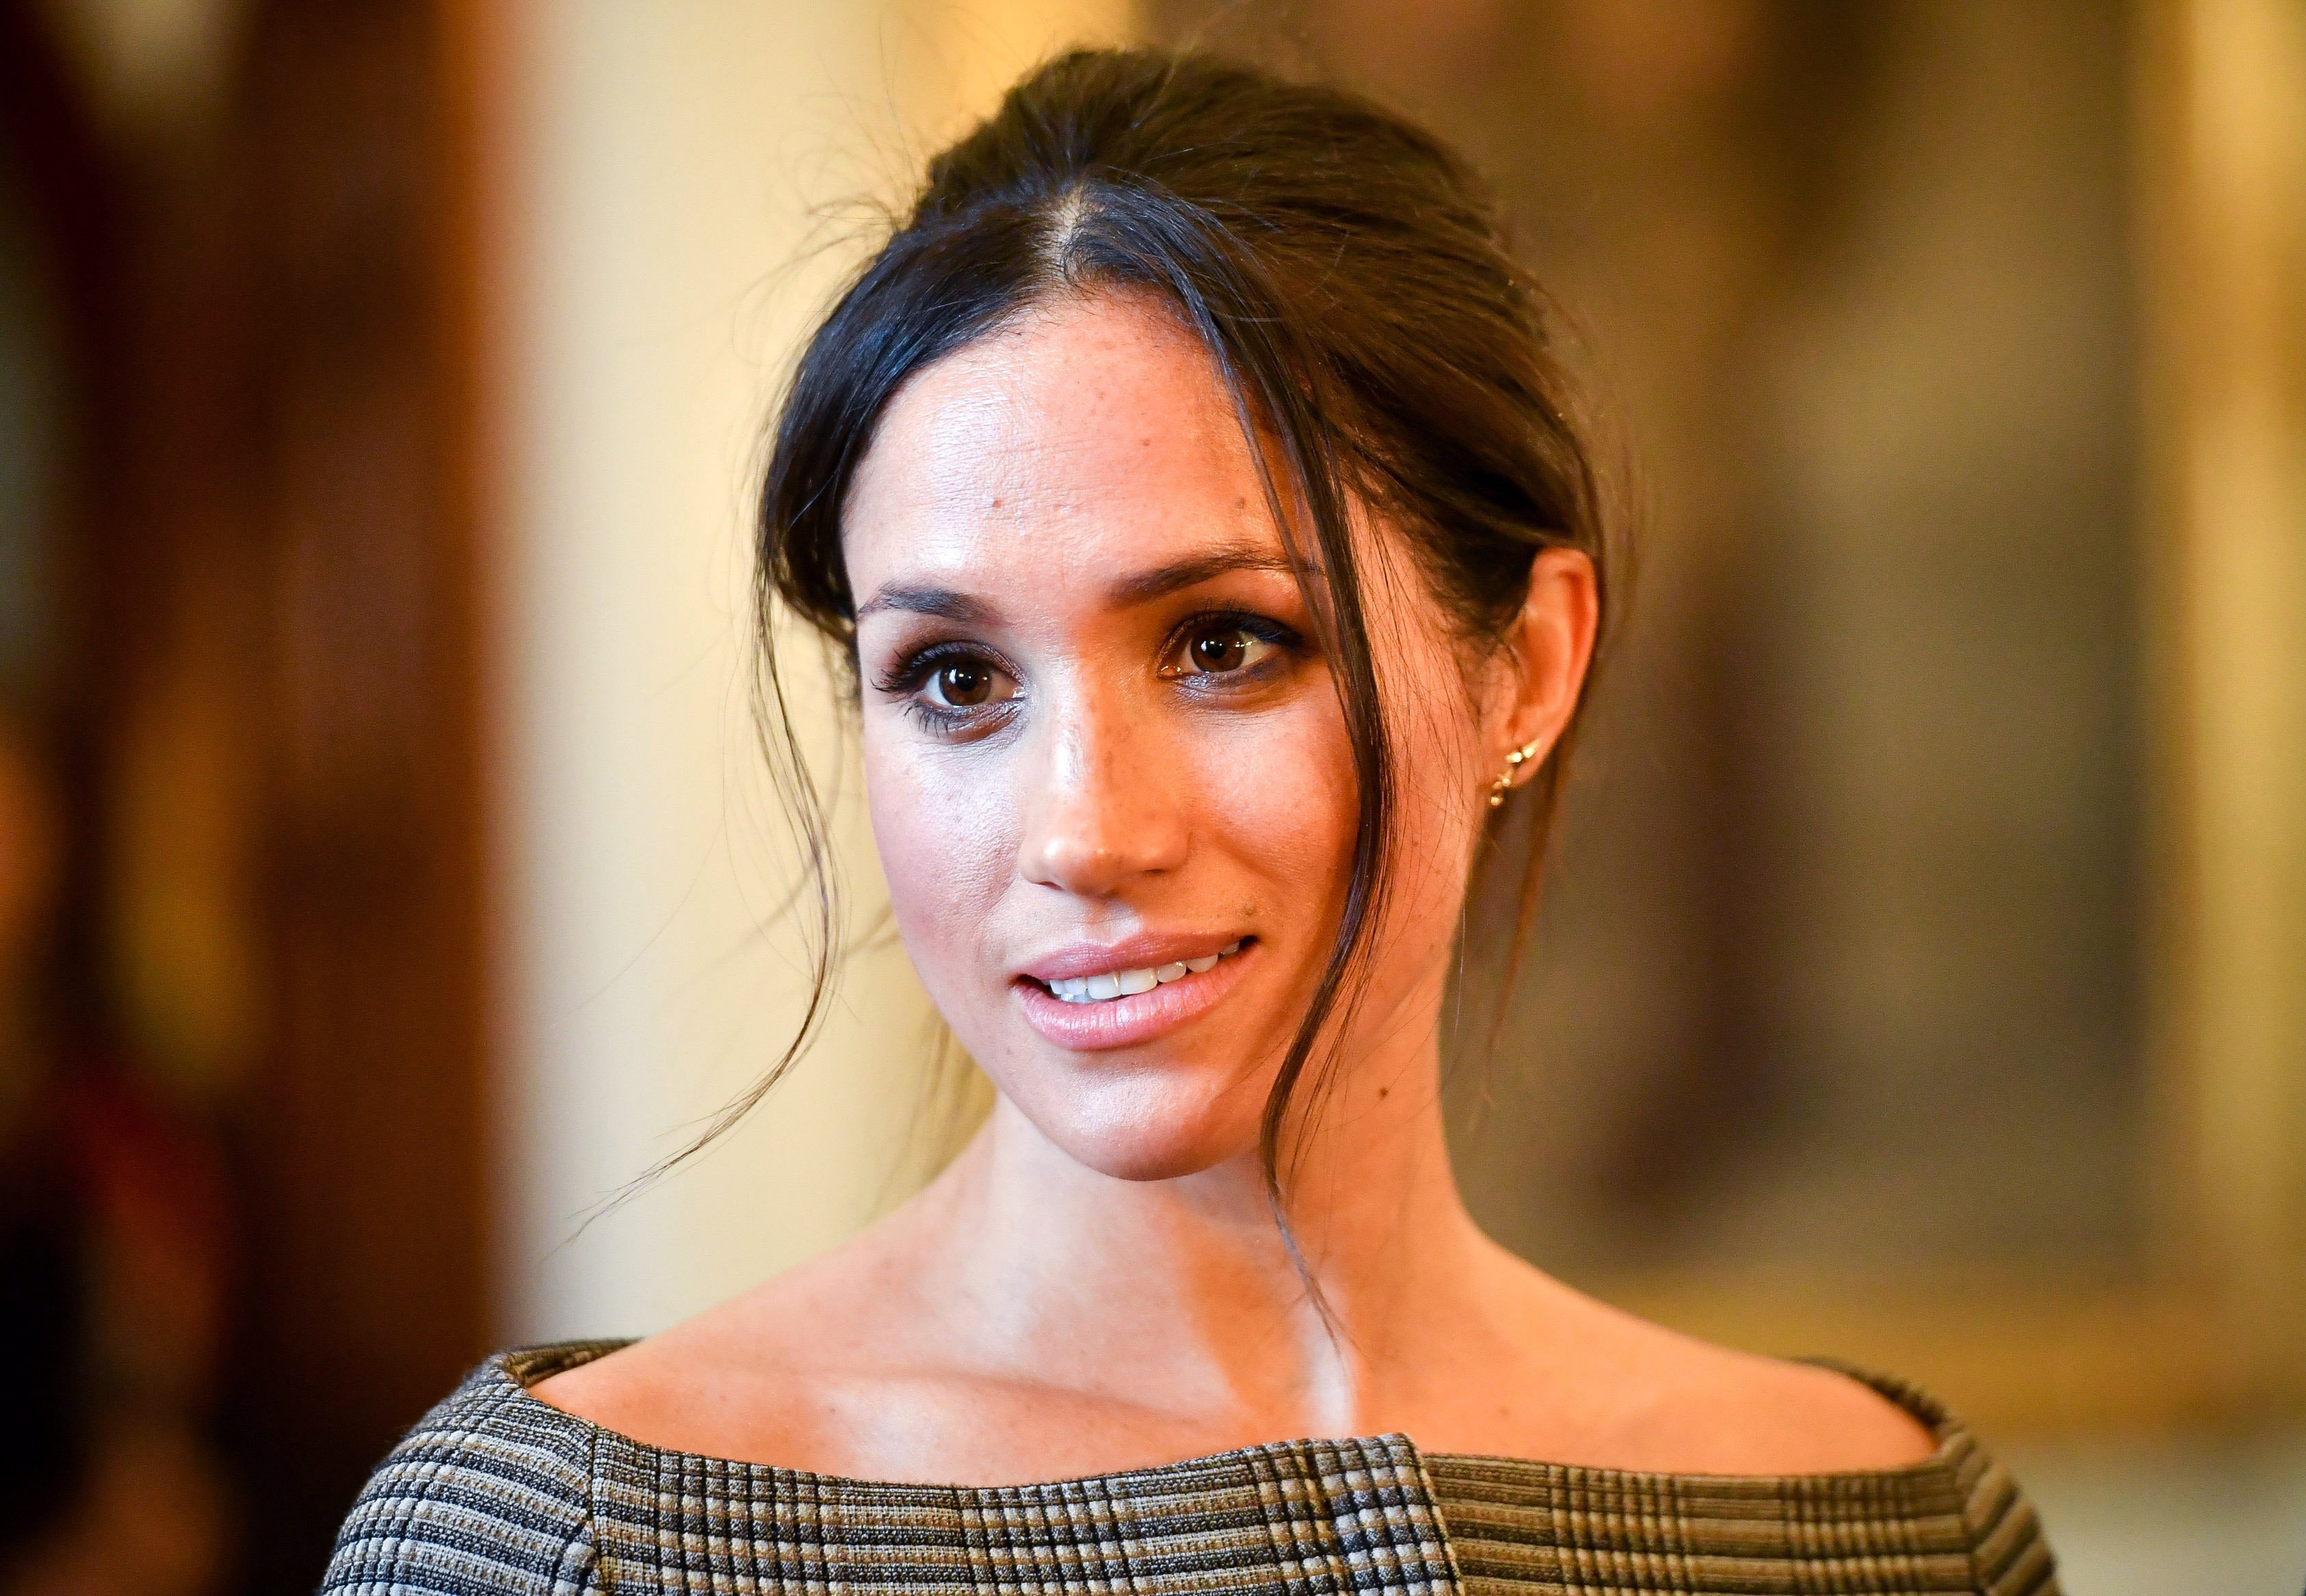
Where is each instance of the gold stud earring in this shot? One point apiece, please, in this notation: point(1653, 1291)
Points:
point(1514, 762)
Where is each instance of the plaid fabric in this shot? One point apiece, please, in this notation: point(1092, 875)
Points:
point(496, 1494)
point(1955, 1524)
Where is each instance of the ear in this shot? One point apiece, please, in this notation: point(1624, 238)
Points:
point(1550, 646)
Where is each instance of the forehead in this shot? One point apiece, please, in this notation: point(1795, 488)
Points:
point(1097, 431)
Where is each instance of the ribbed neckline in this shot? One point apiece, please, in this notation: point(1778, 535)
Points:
point(520, 1368)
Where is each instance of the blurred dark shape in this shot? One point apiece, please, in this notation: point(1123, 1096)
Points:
point(113, 1269)
point(1839, 971)
point(251, 1216)
point(42, 1313)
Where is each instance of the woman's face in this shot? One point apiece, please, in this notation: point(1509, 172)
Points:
point(1107, 770)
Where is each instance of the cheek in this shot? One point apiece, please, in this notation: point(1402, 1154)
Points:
point(1279, 800)
point(946, 834)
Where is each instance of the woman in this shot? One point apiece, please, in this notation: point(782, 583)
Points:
point(1190, 483)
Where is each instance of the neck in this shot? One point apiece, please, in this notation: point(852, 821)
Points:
point(1053, 1272)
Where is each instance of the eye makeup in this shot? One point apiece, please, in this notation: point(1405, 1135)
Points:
point(953, 688)
point(1228, 650)
point(957, 687)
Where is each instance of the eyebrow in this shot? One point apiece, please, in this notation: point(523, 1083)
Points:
point(927, 601)
point(1145, 586)
point(1141, 588)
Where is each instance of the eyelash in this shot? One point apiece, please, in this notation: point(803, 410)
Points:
point(1285, 639)
point(907, 677)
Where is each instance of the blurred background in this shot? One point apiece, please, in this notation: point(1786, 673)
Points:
point(386, 879)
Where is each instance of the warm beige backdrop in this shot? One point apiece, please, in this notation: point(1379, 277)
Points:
point(683, 187)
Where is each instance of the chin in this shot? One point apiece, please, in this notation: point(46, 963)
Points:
point(1142, 1129)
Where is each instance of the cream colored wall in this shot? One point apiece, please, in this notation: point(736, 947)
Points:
point(668, 168)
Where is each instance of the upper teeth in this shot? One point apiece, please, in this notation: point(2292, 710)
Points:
point(1129, 983)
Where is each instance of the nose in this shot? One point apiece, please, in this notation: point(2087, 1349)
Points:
point(1105, 810)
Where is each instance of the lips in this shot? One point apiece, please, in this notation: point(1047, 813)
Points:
point(1156, 988)
point(1109, 985)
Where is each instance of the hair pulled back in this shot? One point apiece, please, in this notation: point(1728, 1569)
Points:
point(1346, 272)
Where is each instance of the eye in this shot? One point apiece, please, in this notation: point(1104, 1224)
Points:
point(1220, 648)
point(967, 684)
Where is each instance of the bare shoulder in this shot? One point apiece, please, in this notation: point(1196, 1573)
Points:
point(1717, 1410)
point(670, 1390)
point(1652, 1399)
point(1770, 1416)
point(765, 1377)
point(624, 1390)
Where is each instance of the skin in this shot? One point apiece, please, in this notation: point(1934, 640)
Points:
point(1097, 1283)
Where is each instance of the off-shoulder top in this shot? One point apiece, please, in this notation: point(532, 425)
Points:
point(497, 1493)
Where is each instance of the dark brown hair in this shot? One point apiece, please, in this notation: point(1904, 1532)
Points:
point(1346, 272)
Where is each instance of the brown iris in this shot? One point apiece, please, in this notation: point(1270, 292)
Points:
point(964, 684)
point(1219, 652)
